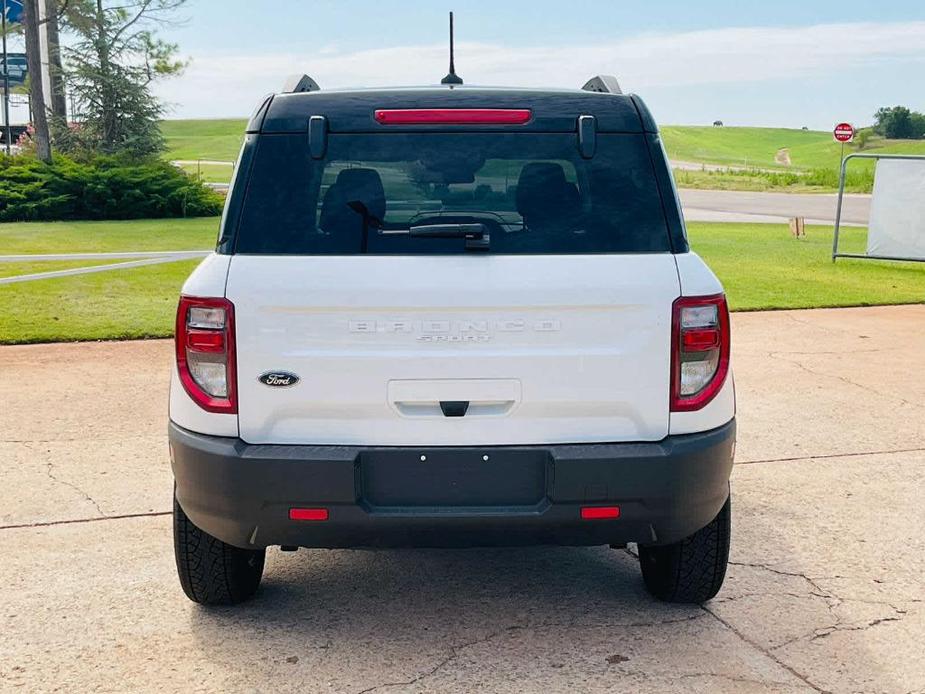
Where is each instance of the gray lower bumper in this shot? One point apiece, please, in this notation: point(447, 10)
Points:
point(242, 493)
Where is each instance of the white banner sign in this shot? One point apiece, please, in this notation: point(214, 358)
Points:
point(897, 210)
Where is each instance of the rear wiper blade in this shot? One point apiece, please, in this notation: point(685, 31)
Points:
point(475, 233)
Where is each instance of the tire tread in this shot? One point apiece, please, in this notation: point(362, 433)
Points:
point(212, 572)
point(691, 570)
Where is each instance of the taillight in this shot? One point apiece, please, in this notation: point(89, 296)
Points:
point(205, 352)
point(452, 116)
point(699, 350)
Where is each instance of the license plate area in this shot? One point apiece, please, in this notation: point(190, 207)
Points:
point(453, 478)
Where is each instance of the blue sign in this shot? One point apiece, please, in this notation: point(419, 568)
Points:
point(13, 10)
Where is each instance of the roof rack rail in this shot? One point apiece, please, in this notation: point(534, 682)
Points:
point(605, 84)
point(300, 83)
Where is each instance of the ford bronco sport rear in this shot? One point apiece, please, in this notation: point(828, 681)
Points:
point(452, 316)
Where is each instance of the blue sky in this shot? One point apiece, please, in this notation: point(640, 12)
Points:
point(778, 62)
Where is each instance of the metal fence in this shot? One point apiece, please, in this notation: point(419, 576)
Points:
point(841, 194)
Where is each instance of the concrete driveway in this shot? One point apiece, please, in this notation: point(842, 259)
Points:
point(824, 592)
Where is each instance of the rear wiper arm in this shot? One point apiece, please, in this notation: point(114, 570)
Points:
point(475, 234)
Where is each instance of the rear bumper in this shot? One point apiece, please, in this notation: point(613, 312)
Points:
point(241, 493)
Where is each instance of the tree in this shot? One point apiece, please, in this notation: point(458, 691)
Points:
point(917, 121)
point(55, 67)
point(898, 122)
point(862, 137)
point(40, 134)
point(110, 69)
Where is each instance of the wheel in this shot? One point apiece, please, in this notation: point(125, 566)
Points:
point(691, 570)
point(212, 572)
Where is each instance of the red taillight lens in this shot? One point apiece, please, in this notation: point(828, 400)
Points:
point(699, 350)
point(453, 116)
point(205, 341)
point(205, 352)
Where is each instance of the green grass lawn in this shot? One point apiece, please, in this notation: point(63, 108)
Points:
point(197, 233)
point(210, 173)
point(219, 139)
point(761, 266)
point(121, 304)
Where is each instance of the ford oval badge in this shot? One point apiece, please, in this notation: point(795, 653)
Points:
point(278, 379)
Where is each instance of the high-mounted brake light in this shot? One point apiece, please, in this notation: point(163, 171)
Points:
point(699, 350)
point(453, 116)
point(205, 349)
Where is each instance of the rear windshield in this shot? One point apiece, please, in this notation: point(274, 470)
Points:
point(424, 193)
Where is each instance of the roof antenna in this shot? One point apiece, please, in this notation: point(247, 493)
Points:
point(452, 77)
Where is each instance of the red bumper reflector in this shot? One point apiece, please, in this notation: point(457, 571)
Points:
point(308, 514)
point(453, 116)
point(600, 512)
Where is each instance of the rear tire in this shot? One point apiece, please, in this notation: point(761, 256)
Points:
point(690, 570)
point(212, 572)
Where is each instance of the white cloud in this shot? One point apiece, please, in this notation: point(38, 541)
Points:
point(216, 85)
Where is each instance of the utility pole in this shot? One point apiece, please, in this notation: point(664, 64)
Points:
point(36, 92)
point(6, 88)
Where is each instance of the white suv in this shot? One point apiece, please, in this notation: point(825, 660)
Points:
point(452, 316)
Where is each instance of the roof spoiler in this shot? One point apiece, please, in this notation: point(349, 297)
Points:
point(300, 83)
point(604, 84)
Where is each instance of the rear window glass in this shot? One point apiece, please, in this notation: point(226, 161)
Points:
point(420, 193)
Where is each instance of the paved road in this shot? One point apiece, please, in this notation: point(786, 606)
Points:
point(825, 591)
point(740, 206)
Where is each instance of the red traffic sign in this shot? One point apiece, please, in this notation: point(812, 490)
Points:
point(844, 132)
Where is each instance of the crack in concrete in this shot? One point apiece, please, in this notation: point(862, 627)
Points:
point(453, 655)
point(841, 626)
point(84, 439)
point(822, 592)
point(843, 379)
point(96, 519)
point(815, 325)
point(48, 470)
point(838, 352)
point(456, 649)
point(738, 679)
point(824, 456)
point(766, 652)
point(832, 602)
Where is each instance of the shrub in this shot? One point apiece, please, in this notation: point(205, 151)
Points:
point(101, 188)
point(858, 180)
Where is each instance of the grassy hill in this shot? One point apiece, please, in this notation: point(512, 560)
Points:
point(758, 147)
point(728, 146)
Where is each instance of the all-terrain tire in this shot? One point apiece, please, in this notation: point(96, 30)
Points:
point(212, 572)
point(691, 570)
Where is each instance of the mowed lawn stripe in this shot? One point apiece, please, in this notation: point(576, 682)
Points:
point(30, 268)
